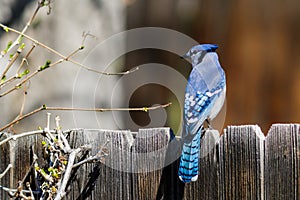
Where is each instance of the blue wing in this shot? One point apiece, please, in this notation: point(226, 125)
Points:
point(196, 107)
point(197, 104)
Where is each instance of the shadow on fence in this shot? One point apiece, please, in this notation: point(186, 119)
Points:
point(241, 164)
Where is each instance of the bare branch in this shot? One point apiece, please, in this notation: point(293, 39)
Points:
point(61, 190)
point(46, 66)
point(20, 84)
point(61, 139)
point(17, 76)
point(22, 107)
point(85, 35)
point(44, 107)
point(21, 118)
point(31, 192)
point(5, 171)
point(19, 38)
point(26, 58)
point(96, 158)
point(65, 57)
point(30, 168)
point(11, 61)
point(24, 134)
point(10, 191)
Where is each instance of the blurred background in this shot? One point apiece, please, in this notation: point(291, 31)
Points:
point(258, 49)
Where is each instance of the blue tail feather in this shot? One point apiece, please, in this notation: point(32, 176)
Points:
point(188, 167)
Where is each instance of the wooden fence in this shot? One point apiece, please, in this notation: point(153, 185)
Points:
point(241, 164)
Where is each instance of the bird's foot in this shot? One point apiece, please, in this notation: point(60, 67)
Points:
point(209, 126)
point(205, 128)
point(203, 133)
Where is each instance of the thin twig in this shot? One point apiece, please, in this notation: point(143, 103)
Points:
point(61, 138)
point(40, 69)
point(21, 118)
point(23, 102)
point(24, 134)
point(17, 76)
point(44, 107)
point(19, 84)
point(5, 171)
point(11, 61)
point(88, 160)
point(65, 57)
point(101, 153)
point(25, 59)
point(6, 189)
point(31, 192)
point(22, 107)
point(17, 41)
point(48, 122)
point(44, 174)
point(144, 109)
point(61, 190)
point(30, 168)
point(85, 35)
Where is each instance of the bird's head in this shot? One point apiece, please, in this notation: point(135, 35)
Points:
point(197, 50)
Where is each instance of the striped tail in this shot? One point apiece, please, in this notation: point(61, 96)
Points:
point(188, 167)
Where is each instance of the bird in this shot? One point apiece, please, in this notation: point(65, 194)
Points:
point(205, 94)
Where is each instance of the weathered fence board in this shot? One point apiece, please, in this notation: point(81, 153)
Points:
point(282, 162)
point(241, 164)
point(148, 159)
point(99, 181)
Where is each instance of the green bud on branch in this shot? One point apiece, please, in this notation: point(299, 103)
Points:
point(7, 47)
point(23, 74)
point(5, 28)
point(47, 65)
point(20, 39)
point(22, 46)
point(3, 79)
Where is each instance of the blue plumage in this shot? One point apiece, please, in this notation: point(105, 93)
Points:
point(204, 98)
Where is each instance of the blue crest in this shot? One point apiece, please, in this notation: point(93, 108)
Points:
point(205, 47)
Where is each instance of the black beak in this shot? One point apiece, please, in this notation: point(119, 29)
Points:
point(184, 56)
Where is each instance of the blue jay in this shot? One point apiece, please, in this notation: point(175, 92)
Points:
point(204, 97)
